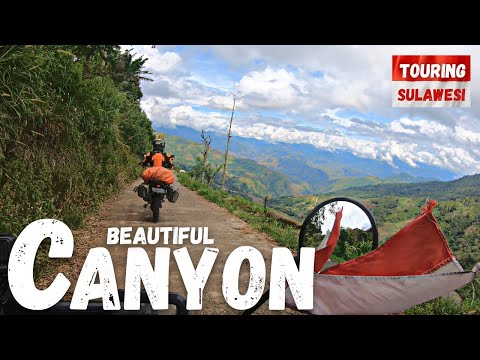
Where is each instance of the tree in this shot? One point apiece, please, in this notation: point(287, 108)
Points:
point(197, 169)
point(203, 170)
point(229, 135)
point(265, 201)
point(128, 73)
point(206, 141)
point(210, 172)
point(107, 60)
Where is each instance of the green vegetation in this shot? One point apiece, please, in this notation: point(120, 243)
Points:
point(457, 213)
point(297, 207)
point(465, 187)
point(458, 210)
point(352, 242)
point(341, 183)
point(393, 206)
point(71, 130)
point(277, 174)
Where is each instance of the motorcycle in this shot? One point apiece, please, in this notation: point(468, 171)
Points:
point(155, 195)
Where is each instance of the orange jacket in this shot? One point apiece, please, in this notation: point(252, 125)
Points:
point(157, 159)
point(158, 173)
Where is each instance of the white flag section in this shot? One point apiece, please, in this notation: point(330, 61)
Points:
point(379, 295)
point(431, 94)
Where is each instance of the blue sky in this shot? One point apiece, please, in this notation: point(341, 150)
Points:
point(332, 97)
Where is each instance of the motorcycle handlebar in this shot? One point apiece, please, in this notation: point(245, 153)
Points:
point(8, 305)
point(11, 307)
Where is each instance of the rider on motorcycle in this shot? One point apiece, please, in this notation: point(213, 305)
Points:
point(155, 157)
point(164, 175)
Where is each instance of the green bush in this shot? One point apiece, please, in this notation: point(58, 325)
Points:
point(70, 135)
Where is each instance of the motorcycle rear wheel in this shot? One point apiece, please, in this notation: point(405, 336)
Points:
point(156, 208)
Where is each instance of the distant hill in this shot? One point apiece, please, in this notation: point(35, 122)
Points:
point(467, 186)
point(244, 175)
point(353, 182)
point(321, 170)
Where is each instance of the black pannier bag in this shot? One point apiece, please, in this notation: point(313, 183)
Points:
point(142, 191)
point(172, 196)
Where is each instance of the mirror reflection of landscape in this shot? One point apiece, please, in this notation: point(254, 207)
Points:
point(356, 234)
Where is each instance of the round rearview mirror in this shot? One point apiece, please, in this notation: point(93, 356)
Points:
point(358, 231)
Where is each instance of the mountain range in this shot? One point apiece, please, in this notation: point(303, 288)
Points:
point(312, 170)
point(245, 176)
point(465, 187)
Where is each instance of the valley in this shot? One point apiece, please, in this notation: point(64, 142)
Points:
point(295, 183)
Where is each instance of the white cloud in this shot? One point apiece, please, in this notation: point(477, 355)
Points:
point(465, 135)
point(456, 158)
point(158, 62)
point(185, 115)
point(312, 86)
point(425, 127)
point(397, 126)
point(157, 110)
point(404, 152)
point(332, 114)
point(165, 62)
point(271, 88)
point(360, 75)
